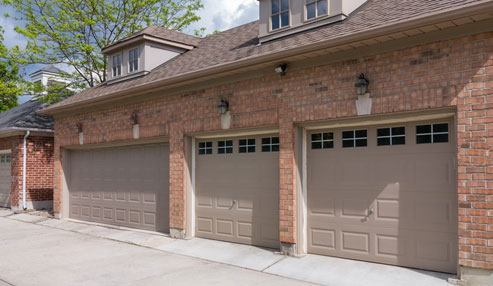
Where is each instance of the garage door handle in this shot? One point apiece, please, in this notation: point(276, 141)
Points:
point(371, 211)
point(234, 202)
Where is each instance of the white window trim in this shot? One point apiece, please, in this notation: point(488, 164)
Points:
point(434, 133)
point(280, 12)
point(391, 136)
point(113, 65)
point(270, 144)
point(355, 138)
point(247, 145)
point(131, 63)
point(225, 147)
point(322, 141)
point(316, 11)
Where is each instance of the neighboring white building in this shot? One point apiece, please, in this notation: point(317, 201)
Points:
point(47, 75)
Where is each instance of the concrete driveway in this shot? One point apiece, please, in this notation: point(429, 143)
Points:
point(41, 251)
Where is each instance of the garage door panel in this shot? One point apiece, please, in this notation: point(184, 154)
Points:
point(237, 195)
point(113, 186)
point(410, 188)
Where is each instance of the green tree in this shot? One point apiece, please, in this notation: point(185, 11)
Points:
point(10, 82)
point(74, 31)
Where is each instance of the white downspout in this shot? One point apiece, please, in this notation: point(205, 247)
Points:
point(24, 157)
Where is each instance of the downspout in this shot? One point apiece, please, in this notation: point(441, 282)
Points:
point(24, 157)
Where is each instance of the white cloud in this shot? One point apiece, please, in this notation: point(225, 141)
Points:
point(225, 14)
point(12, 38)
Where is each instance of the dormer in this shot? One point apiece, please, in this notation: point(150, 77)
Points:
point(143, 51)
point(279, 18)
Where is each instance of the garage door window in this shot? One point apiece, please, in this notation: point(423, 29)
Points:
point(225, 147)
point(205, 148)
point(391, 136)
point(246, 146)
point(432, 133)
point(354, 138)
point(323, 140)
point(5, 158)
point(270, 144)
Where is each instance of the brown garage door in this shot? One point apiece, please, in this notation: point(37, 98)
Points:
point(388, 196)
point(5, 180)
point(237, 190)
point(126, 186)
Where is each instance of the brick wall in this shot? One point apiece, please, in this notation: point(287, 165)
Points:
point(442, 74)
point(40, 171)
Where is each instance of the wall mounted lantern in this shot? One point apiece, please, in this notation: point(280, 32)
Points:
point(281, 69)
point(362, 85)
point(134, 119)
point(223, 106)
point(78, 127)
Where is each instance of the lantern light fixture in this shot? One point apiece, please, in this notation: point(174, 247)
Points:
point(223, 106)
point(134, 119)
point(362, 85)
point(281, 69)
point(78, 127)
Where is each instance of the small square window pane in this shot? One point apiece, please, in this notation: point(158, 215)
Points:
point(383, 132)
point(440, 138)
point(322, 7)
point(221, 151)
point(423, 139)
point(360, 133)
point(361, 143)
point(347, 143)
point(221, 143)
point(208, 144)
point(201, 151)
point(275, 7)
point(316, 145)
point(399, 140)
point(275, 148)
point(398, 130)
point(285, 19)
point(265, 141)
point(284, 5)
point(251, 141)
point(8, 159)
point(251, 149)
point(229, 150)
point(437, 128)
point(275, 140)
point(2, 159)
point(423, 129)
point(275, 22)
point(317, 137)
point(328, 144)
point(328, 136)
point(243, 149)
point(347, 134)
point(243, 142)
point(266, 148)
point(229, 143)
point(310, 11)
point(383, 141)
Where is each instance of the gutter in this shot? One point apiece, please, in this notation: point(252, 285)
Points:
point(408, 24)
point(24, 171)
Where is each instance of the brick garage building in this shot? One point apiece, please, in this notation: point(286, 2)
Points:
point(21, 125)
point(267, 142)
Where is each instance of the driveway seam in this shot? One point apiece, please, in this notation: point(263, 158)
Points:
point(6, 282)
point(274, 263)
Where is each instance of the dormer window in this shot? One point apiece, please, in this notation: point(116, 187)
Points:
point(117, 65)
point(315, 8)
point(133, 60)
point(280, 14)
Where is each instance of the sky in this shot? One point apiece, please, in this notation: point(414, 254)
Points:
point(216, 15)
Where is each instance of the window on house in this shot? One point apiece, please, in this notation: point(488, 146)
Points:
point(2, 158)
point(246, 146)
point(354, 138)
point(315, 8)
point(432, 133)
point(323, 140)
point(391, 136)
point(205, 148)
point(270, 144)
point(117, 65)
point(133, 60)
point(7, 158)
point(225, 147)
point(280, 14)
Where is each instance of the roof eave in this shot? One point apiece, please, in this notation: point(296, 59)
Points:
point(411, 23)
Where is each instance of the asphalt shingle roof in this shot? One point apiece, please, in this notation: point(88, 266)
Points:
point(24, 117)
point(242, 42)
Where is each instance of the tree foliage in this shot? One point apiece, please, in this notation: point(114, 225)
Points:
point(74, 31)
point(10, 82)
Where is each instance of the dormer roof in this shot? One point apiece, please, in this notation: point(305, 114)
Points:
point(156, 34)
